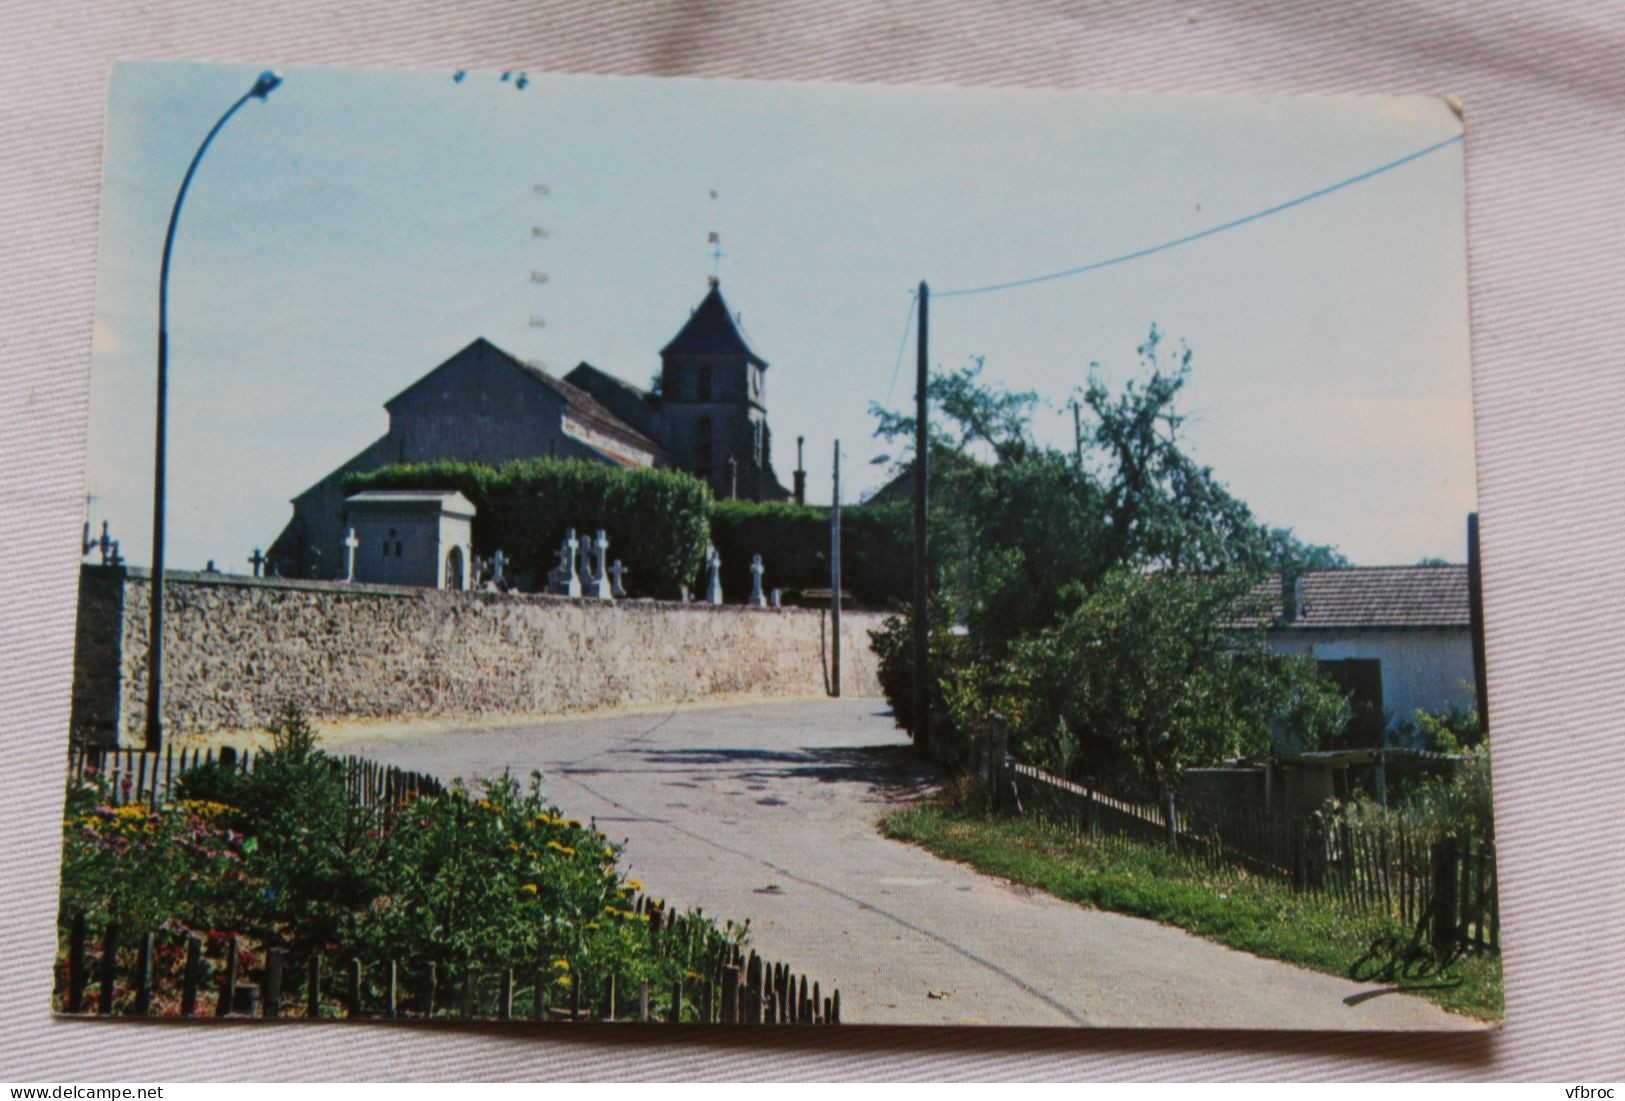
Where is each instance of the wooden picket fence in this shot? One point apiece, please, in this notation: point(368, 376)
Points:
point(112, 973)
point(1446, 884)
point(136, 776)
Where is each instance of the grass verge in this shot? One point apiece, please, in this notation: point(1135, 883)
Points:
point(1229, 906)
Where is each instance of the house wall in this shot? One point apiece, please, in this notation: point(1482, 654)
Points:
point(237, 648)
point(1427, 669)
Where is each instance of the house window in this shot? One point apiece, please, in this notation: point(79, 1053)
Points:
point(705, 382)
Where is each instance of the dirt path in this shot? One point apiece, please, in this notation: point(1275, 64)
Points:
point(768, 811)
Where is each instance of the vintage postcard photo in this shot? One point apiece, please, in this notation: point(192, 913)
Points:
point(583, 549)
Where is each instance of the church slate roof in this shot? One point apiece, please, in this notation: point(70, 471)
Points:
point(1373, 597)
point(711, 331)
point(579, 402)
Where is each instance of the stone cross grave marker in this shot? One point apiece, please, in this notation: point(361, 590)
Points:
point(600, 578)
point(257, 560)
point(713, 589)
point(498, 561)
point(775, 599)
point(557, 577)
point(350, 545)
point(756, 599)
point(586, 555)
point(573, 580)
point(617, 590)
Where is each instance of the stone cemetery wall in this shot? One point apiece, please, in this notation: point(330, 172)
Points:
point(236, 648)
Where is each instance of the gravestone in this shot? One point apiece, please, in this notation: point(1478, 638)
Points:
point(713, 589)
point(563, 579)
point(498, 562)
point(757, 600)
point(350, 545)
point(572, 578)
point(585, 556)
point(600, 578)
point(776, 599)
point(615, 572)
point(257, 560)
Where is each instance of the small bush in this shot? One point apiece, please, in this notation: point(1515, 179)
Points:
point(893, 643)
point(794, 542)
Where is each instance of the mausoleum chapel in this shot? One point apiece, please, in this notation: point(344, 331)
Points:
point(409, 537)
point(709, 417)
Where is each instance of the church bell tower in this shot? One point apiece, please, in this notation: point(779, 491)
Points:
point(713, 391)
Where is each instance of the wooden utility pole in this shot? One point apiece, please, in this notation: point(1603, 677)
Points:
point(922, 559)
point(835, 578)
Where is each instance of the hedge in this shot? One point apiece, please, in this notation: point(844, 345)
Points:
point(656, 520)
point(793, 540)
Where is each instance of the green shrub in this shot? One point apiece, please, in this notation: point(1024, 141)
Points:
point(794, 542)
point(1453, 730)
point(893, 643)
point(656, 520)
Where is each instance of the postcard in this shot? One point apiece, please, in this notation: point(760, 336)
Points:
point(573, 550)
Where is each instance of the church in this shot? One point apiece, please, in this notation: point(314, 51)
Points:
point(708, 417)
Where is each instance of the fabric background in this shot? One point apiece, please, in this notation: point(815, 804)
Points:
point(1543, 87)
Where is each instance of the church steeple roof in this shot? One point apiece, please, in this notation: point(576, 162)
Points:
point(711, 331)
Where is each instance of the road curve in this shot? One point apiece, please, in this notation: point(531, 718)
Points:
point(768, 811)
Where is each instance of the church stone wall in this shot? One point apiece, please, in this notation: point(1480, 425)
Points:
point(236, 648)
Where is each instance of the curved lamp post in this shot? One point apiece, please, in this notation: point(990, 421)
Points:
point(155, 639)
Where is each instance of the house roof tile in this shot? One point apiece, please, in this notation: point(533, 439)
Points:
point(1369, 596)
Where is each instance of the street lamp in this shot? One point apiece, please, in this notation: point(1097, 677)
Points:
point(262, 88)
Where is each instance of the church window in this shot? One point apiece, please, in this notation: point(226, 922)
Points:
point(705, 382)
point(758, 427)
point(702, 442)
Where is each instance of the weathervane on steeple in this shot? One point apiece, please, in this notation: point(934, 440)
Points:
point(716, 254)
point(714, 239)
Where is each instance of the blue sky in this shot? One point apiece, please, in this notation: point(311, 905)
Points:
point(344, 237)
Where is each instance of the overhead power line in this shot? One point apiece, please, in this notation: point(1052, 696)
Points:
point(902, 344)
point(1188, 238)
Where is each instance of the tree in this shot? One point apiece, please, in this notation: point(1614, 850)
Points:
point(1149, 676)
point(1099, 589)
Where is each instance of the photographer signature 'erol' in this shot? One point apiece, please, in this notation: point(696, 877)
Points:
point(1392, 959)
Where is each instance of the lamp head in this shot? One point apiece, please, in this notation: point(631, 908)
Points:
point(265, 84)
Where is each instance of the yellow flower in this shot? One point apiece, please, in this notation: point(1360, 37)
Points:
point(593, 925)
point(562, 980)
point(561, 965)
point(635, 884)
point(513, 847)
point(609, 852)
point(574, 825)
point(530, 888)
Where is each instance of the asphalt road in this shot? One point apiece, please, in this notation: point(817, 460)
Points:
point(768, 811)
